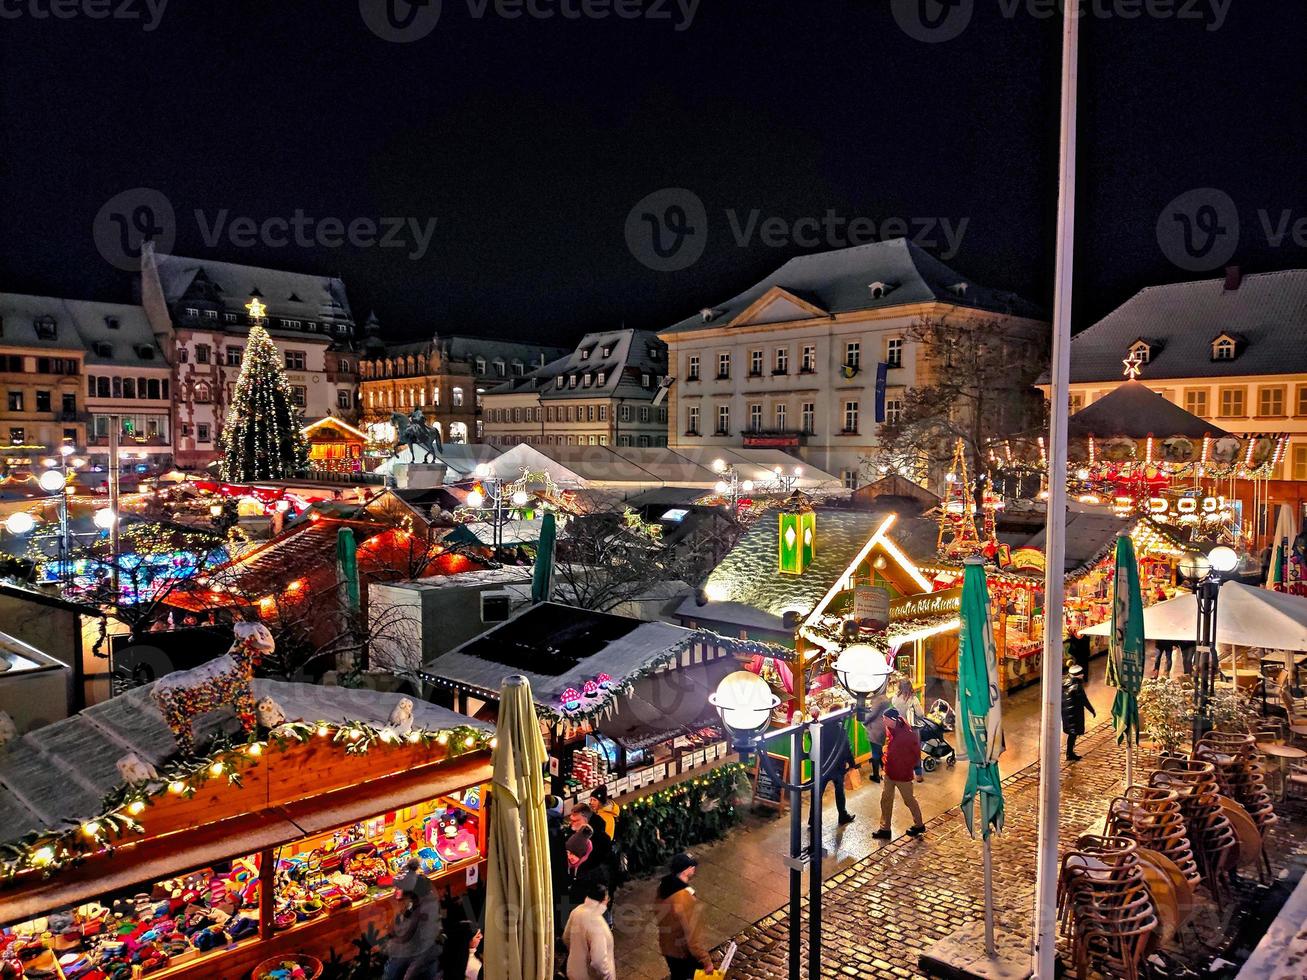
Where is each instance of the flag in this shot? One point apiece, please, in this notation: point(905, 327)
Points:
point(1125, 655)
point(882, 374)
point(979, 704)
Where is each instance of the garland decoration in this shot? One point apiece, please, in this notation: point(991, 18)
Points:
point(653, 828)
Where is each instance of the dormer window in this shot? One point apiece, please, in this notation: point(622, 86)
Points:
point(571, 381)
point(1224, 348)
point(608, 350)
point(879, 290)
point(480, 365)
point(103, 349)
point(585, 354)
point(145, 353)
point(1141, 351)
point(585, 380)
point(229, 318)
point(558, 381)
point(45, 327)
point(958, 288)
point(210, 314)
point(653, 353)
point(600, 379)
point(111, 322)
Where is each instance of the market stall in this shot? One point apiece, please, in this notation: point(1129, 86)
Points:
point(335, 446)
point(122, 856)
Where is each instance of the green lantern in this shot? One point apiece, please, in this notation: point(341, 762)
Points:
point(798, 541)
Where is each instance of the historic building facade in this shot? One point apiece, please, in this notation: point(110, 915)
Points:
point(791, 363)
point(41, 358)
point(200, 311)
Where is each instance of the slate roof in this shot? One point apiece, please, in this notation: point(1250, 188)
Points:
point(81, 325)
point(838, 282)
point(1269, 311)
point(458, 347)
point(600, 643)
point(61, 773)
point(628, 359)
point(1133, 409)
point(18, 313)
point(748, 572)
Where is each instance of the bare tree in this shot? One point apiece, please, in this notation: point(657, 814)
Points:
point(610, 557)
point(975, 385)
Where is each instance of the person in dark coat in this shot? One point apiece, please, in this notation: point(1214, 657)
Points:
point(1078, 647)
point(837, 759)
point(1074, 703)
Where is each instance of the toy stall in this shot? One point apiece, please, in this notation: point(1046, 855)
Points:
point(1089, 587)
point(281, 838)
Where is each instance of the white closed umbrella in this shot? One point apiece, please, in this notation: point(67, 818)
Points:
point(1245, 616)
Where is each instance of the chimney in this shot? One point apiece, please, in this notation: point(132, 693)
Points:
point(1233, 278)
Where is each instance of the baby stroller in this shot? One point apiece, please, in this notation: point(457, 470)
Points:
point(934, 747)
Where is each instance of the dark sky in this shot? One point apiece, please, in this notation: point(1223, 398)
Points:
point(530, 141)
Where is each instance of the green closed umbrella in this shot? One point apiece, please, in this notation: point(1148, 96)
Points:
point(1125, 655)
point(519, 931)
point(981, 717)
point(542, 576)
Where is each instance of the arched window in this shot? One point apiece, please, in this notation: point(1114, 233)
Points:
point(458, 431)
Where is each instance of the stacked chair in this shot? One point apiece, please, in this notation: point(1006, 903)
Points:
point(1242, 778)
point(1211, 834)
point(1152, 817)
point(1106, 908)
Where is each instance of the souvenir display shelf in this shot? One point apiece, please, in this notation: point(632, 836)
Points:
point(216, 922)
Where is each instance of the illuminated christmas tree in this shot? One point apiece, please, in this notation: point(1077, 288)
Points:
point(261, 437)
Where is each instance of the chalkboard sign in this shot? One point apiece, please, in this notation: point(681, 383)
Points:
point(766, 790)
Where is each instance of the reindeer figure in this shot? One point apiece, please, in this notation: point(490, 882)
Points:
point(186, 694)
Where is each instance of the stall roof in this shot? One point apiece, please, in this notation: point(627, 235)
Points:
point(557, 647)
point(1091, 534)
point(1135, 411)
point(61, 774)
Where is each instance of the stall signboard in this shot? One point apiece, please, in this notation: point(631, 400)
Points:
point(766, 790)
point(927, 604)
point(1028, 559)
point(871, 605)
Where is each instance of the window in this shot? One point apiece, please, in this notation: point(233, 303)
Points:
point(662, 415)
point(43, 401)
point(1223, 349)
point(517, 415)
point(1075, 402)
point(851, 417)
point(571, 381)
point(780, 413)
point(853, 355)
point(202, 394)
point(692, 368)
point(781, 361)
point(480, 365)
point(850, 479)
point(1300, 462)
point(17, 436)
point(590, 413)
point(210, 314)
point(15, 401)
point(1270, 401)
point(46, 328)
point(645, 380)
point(342, 398)
point(893, 410)
point(608, 350)
point(755, 417)
point(501, 369)
point(519, 368)
point(644, 413)
point(624, 413)
point(1301, 410)
point(111, 322)
point(296, 360)
point(692, 420)
point(68, 402)
point(202, 353)
point(154, 389)
point(129, 387)
point(1195, 402)
point(1233, 402)
point(102, 388)
point(202, 431)
point(192, 311)
point(600, 378)
point(435, 396)
point(755, 363)
point(808, 363)
point(723, 420)
point(456, 398)
point(808, 417)
point(229, 318)
point(183, 355)
point(117, 387)
point(585, 354)
point(894, 352)
point(234, 356)
point(723, 366)
point(298, 395)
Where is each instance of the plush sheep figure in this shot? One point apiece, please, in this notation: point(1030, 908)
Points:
point(401, 718)
point(134, 769)
point(270, 713)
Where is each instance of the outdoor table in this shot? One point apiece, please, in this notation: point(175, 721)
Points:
point(1300, 730)
point(1283, 753)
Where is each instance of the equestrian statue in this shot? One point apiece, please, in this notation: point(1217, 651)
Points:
point(412, 431)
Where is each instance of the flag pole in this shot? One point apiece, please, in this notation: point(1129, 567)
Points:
point(989, 897)
point(1050, 790)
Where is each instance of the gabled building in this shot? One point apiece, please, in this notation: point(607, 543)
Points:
point(791, 362)
point(201, 311)
point(41, 355)
point(608, 392)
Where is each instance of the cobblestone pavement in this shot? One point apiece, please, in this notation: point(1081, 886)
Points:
point(882, 912)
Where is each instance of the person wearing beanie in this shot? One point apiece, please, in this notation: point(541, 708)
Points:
point(678, 914)
point(1074, 704)
point(902, 754)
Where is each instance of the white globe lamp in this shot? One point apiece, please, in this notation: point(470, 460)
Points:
point(1223, 559)
point(104, 518)
point(20, 522)
point(862, 670)
point(475, 498)
point(745, 702)
point(519, 498)
point(52, 481)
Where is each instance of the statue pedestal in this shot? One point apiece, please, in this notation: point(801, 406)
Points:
point(418, 476)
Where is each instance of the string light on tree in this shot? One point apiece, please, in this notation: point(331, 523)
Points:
point(261, 437)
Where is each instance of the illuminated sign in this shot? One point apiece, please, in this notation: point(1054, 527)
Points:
point(947, 602)
point(871, 604)
point(1031, 559)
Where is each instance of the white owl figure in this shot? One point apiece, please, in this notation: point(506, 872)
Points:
point(8, 730)
point(270, 713)
point(401, 718)
point(134, 769)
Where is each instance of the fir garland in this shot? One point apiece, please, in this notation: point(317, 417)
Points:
point(653, 828)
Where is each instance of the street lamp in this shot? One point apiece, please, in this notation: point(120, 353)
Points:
point(495, 497)
point(730, 485)
point(1220, 562)
point(20, 522)
point(744, 702)
point(104, 518)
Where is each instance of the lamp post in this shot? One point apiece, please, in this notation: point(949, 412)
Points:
point(730, 485)
point(1209, 571)
point(54, 481)
point(496, 498)
point(745, 702)
point(783, 482)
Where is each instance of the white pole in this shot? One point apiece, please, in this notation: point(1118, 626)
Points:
point(989, 897)
point(1050, 748)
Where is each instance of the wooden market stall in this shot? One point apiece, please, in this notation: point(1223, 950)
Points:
point(286, 840)
point(335, 446)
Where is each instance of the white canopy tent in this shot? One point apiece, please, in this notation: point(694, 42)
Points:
point(1245, 616)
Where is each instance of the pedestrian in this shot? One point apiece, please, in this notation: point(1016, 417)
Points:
point(601, 861)
point(606, 810)
point(902, 753)
point(678, 915)
point(588, 939)
point(912, 711)
point(580, 870)
point(836, 761)
point(876, 732)
point(1074, 703)
point(1078, 647)
point(414, 950)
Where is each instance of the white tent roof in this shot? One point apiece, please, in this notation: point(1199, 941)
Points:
point(1245, 616)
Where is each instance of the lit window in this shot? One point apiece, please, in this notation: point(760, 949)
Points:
point(755, 363)
point(755, 417)
point(894, 352)
point(692, 368)
point(723, 365)
point(851, 416)
point(723, 420)
point(782, 361)
point(456, 398)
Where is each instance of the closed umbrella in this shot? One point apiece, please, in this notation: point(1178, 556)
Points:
point(519, 940)
point(1125, 658)
point(542, 576)
point(1284, 573)
point(981, 716)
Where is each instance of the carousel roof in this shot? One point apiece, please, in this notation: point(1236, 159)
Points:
point(1134, 410)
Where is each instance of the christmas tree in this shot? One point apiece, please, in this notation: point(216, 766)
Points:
point(261, 437)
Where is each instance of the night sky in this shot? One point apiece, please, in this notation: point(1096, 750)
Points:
point(530, 141)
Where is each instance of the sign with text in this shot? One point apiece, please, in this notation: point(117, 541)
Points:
point(871, 604)
point(926, 604)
